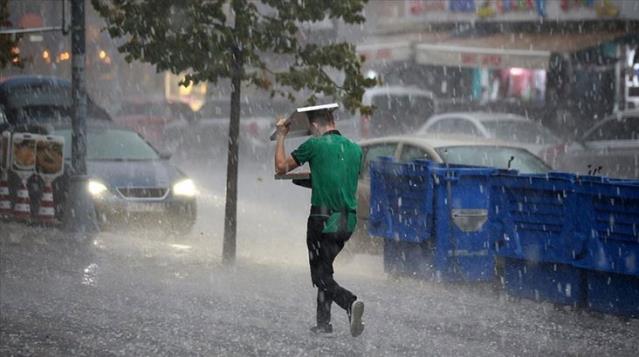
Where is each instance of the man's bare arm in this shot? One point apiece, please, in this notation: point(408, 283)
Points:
point(283, 163)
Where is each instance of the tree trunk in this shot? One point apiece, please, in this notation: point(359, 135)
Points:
point(230, 213)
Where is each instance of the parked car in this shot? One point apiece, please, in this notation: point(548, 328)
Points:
point(464, 151)
point(155, 119)
point(398, 110)
point(208, 134)
point(130, 181)
point(510, 128)
point(30, 99)
point(609, 148)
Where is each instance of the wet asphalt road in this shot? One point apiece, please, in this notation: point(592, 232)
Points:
point(146, 293)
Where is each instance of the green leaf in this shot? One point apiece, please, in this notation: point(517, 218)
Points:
point(208, 40)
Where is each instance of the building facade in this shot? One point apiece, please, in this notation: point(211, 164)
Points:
point(566, 62)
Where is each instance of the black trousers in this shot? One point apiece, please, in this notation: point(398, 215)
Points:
point(322, 250)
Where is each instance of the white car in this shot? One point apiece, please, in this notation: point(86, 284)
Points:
point(610, 148)
point(464, 151)
point(510, 128)
point(398, 110)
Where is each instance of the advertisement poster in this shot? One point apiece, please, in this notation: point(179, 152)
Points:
point(49, 156)
point(23, 153)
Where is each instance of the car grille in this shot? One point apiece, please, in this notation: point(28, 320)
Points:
point(142, 192)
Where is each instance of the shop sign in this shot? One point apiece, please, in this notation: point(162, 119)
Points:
point(450, 55)
point(385, 52)
point(431, 11)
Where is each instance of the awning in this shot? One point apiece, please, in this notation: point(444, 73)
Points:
point(386, 52)
point(506, 50)
point(388, 49)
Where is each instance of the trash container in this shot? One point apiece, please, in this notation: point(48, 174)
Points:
point(535, 230)
point(609, 210)
point(463, 241)
point(434, 219)
point(401, 200)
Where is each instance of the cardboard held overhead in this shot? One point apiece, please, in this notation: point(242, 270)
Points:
point(294, 176)
point(298, 121)
point(300, 177)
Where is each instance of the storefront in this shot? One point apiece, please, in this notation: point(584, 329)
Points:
point(546, 75)
point(517, 65)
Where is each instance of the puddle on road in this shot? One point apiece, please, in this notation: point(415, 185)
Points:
point(90, 275)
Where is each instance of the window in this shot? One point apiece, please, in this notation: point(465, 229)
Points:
point(399, 113)
point(452, 125)
point(374, 151)
point(465, 127)
point(493, 156)
point(410, 152)
point(522, 131)
point(624, 129)
point(444, 126)
point(112, 145)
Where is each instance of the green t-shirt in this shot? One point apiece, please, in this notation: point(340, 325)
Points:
point(335, 163)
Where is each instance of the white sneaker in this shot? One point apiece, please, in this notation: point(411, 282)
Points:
point(357, 310)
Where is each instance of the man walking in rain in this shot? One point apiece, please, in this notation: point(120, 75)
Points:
point(335, 164)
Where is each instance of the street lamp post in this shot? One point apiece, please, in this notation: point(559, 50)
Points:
point(79, 215)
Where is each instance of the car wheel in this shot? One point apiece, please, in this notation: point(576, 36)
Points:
point(102, 219)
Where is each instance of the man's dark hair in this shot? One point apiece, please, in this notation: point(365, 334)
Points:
point(321, 117)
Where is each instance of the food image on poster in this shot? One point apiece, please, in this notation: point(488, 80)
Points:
point(49, 155)
point(23, 155)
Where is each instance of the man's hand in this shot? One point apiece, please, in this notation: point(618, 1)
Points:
point(281, 127)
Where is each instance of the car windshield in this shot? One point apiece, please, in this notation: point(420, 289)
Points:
point(44, 113)
point(112, 145)
point(616, 129)
point(156, 109)
point(399, 113)
point(493, 156)
point(521, 131)
point(221, 109)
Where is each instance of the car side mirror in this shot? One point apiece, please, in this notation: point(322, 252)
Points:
point(165, 155)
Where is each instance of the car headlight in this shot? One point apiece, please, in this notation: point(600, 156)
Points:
point(96, 188)
point(185, 188)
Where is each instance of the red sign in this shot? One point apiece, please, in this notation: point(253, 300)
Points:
point(468, 58)
point(491, 60)
point(484, 60)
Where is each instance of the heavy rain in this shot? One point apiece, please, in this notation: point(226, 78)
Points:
point(151, 204)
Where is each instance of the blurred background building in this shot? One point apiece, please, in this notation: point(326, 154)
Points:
point(565, 61)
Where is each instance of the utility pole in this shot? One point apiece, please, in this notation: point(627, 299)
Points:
point(79, 215)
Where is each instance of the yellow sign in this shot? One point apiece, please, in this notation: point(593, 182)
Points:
point(193, 95)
